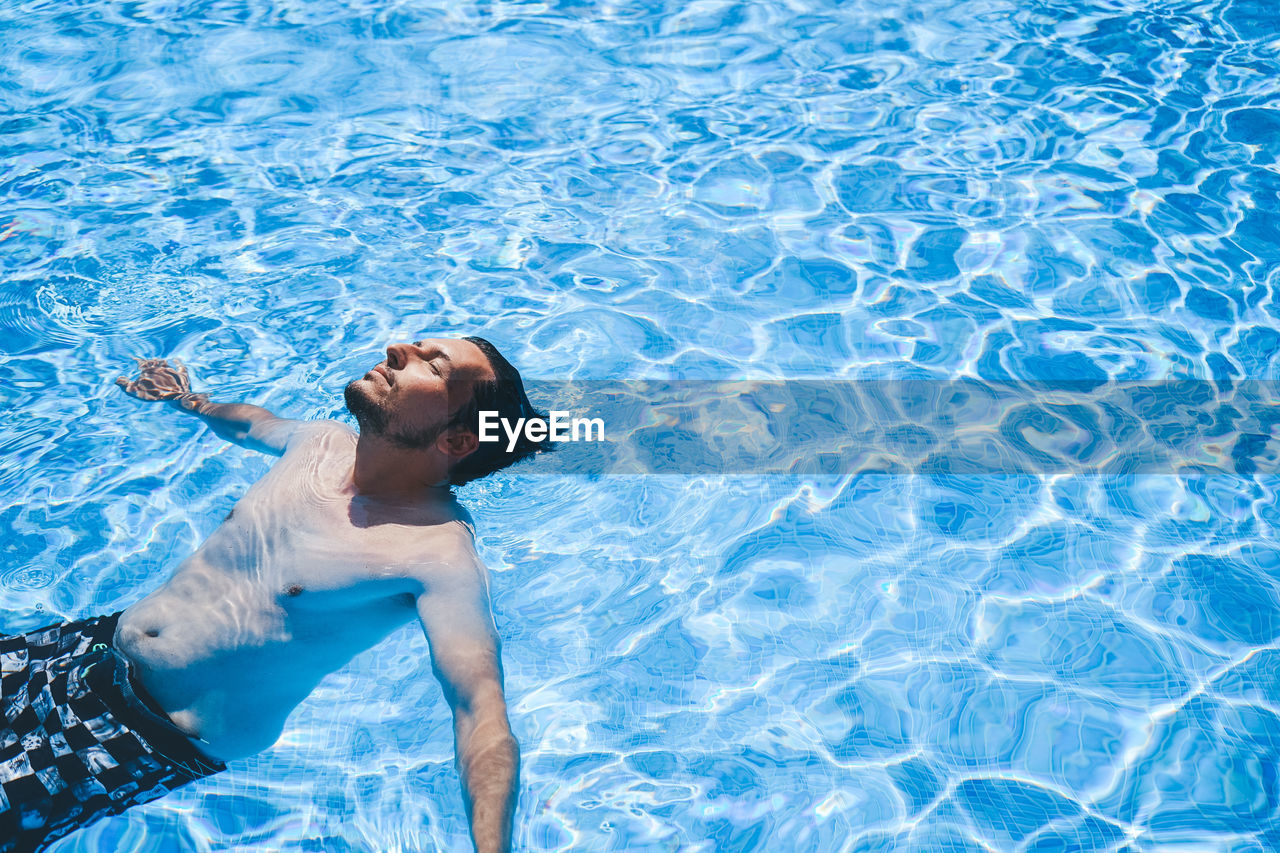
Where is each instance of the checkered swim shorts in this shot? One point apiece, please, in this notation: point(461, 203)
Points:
point(80, 740)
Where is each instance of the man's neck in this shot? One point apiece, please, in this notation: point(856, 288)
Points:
point(387, 471)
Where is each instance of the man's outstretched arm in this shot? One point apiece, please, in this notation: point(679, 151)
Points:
point(248, 426)
point(454, 610)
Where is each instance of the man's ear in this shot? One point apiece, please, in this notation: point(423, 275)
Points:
point(457, 443)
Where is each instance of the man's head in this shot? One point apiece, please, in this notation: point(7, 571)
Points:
point(429, 395)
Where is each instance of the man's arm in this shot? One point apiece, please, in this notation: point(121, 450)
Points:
point(240, 423)
point(454, 609)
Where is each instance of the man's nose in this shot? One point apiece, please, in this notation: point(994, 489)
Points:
point(397, 356)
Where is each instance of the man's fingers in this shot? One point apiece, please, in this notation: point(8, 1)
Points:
point(158, 379)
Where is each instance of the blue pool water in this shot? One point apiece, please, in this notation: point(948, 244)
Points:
point(976, 189)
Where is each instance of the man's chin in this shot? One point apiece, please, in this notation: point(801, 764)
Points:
point(361, 404)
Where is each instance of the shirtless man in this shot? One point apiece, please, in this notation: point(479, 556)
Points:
point(346, 538)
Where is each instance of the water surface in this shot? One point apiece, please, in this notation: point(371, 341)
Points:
point(972, 190)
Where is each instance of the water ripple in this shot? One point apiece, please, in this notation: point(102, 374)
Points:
point(974, 189)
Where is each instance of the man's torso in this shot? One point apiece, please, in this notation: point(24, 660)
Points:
point(300, 577)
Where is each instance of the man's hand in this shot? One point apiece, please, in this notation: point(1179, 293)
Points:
point(248, 426)
point(160, 380)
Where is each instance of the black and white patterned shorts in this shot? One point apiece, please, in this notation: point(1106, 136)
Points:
point(80, 739)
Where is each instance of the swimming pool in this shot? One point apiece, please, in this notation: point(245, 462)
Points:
point(272, 191)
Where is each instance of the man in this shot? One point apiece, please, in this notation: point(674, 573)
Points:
point(346, 538)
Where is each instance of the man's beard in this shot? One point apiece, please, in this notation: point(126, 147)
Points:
point(375, 420)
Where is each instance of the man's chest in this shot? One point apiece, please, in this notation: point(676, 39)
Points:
point(311, 547)
point(300, 528)
point(301, 532)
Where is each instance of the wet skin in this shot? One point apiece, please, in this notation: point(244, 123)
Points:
point(302, 576)
point(345, 539)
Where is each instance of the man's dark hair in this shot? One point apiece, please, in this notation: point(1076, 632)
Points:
point(505, 395)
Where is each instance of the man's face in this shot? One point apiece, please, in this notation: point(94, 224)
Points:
point(410, 396)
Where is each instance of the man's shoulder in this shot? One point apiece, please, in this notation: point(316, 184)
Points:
point(444, 550)
point(307, 432)
point(452, 540)
point(325, 425)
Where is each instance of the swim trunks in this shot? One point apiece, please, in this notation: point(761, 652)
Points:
point(80, 739)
